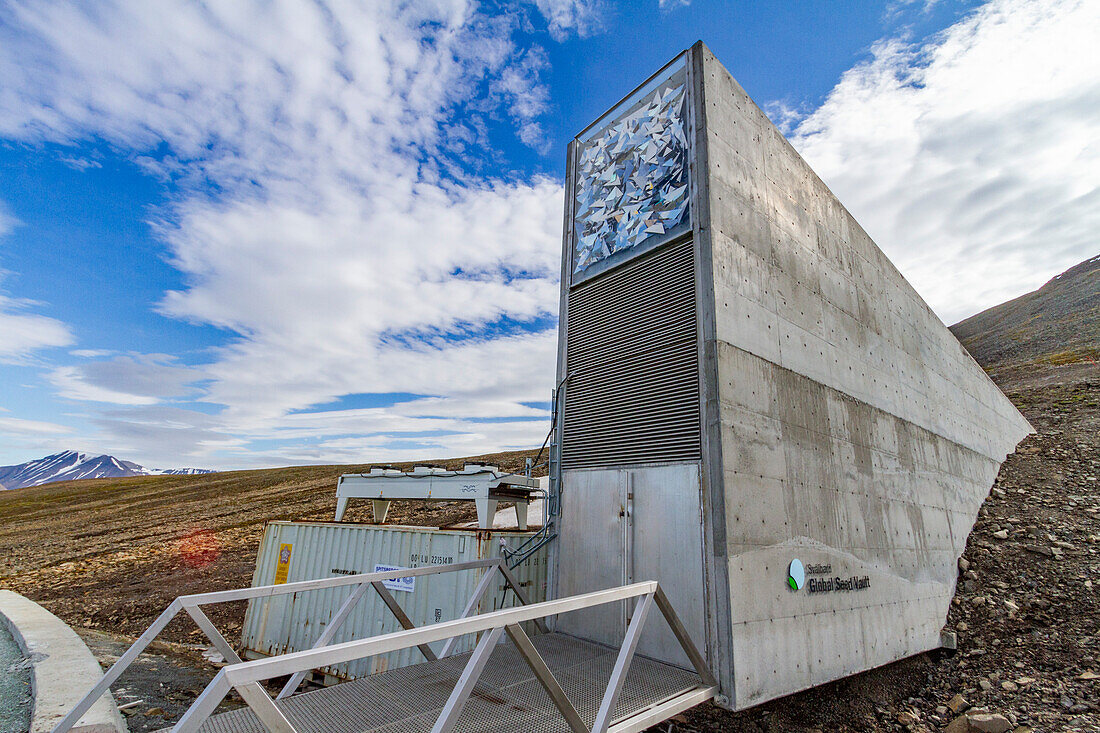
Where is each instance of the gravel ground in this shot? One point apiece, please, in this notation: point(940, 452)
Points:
point(15, 686)
point(161, 683)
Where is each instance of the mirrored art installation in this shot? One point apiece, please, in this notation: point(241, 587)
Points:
point(632, 177)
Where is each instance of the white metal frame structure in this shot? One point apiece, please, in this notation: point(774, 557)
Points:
point(245, 677)
point(192, 604)
point(486, 486)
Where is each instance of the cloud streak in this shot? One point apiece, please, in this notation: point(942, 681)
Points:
point(19, 427)
point(22, 334)
point(141, 379)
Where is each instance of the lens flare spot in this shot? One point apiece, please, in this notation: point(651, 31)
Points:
point(198, 548)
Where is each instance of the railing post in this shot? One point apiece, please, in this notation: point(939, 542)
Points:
point(622, 665)
point(682, 636)
point(402, 617)
point(545, 677)
point(207, 627)
point(269, 714)
point(513, 582)
point(471, 606)
point(205, 704)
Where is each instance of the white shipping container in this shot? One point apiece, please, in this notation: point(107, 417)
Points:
point(293, 551)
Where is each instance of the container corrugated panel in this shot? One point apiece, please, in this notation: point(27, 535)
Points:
point(324, 550)
point(631, 350)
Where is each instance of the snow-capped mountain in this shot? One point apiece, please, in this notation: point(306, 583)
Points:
point(70, 465)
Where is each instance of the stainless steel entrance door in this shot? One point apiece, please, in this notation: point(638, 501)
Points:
point(624, 525)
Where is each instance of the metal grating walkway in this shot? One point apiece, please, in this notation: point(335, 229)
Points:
point(506, 698)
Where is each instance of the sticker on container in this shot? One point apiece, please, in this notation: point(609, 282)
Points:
point(406, 585)
point(282, 568)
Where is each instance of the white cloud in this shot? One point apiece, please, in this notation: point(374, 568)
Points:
point(347, 244)
point(138, 379)
point(169, 437)
point(667, 5)
point(19, 427)
point(70, 384)
point(90, 353)
point(564, 16)
point(21, 334)
point(7, 221)
point(897, 9)
point(972, 161)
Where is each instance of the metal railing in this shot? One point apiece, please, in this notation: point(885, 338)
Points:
point(245, 677)
point(192, 604)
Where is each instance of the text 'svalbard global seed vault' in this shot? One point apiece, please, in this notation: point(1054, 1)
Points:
point(756, 409)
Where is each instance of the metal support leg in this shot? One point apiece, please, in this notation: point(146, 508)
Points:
point(513, 583)
point(471, 606)
point(330, 632)
point(205, 705)
point(622, 665)
point(545, 677)
point(682, 636)
point(381, 508)
point(402, 617)
point(486, 511)
point(341, 507)
point(118, 667)
point(207, 627)
point(521, 514)
point(470, 674)
point(270, 715)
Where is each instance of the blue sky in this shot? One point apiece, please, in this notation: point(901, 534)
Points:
point(260, 234)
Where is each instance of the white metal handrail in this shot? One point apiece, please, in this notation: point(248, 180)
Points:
point(192, 605)
point(245, 677)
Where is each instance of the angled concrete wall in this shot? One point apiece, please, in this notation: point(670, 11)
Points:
point(848, 428)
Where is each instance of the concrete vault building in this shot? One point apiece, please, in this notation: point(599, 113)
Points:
point(756, 409)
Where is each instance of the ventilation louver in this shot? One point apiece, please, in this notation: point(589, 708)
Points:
point(633, 390)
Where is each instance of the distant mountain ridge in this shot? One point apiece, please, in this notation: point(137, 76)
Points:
point(70, 465)
point(1055, 326)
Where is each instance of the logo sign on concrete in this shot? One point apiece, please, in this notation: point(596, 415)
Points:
point(796, 575)
point(797, 572)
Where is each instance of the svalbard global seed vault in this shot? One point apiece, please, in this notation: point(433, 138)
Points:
point(760, 430)
point(756, 409)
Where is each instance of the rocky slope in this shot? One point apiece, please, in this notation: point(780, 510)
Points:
point(1054, 326)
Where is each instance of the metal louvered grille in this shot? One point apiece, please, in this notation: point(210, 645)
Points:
point(633, 389)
